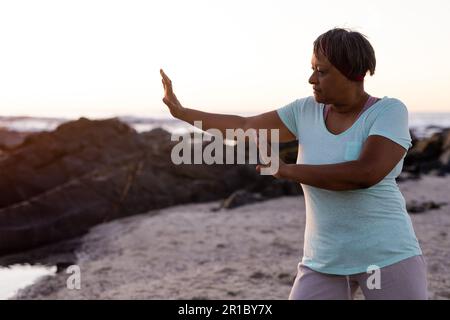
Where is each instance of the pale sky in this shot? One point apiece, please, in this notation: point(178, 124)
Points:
point(102, 58)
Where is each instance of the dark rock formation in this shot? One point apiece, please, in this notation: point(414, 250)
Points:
point(419, 207)
point(429, 155)
point(11, 139)
point(56, 185)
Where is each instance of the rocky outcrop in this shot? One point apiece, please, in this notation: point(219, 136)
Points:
point(11, 139)
point(429, 155)
point(56, 185)
point(415, 206)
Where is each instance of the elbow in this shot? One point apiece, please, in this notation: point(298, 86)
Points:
point(365, 185)
point(367, 178)
point(370, 182)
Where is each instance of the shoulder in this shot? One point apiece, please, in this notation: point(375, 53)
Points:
point(388, 103)
point(387, 107)
point(302, 106)
point(309, 101)
point(304, 102)
point(307, 105)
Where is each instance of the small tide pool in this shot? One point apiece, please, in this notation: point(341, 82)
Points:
point(19, 276)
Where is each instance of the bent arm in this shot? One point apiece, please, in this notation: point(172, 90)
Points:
point(337, 177)
point(378, 158)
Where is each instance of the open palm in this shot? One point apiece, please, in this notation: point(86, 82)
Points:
point(170, 99)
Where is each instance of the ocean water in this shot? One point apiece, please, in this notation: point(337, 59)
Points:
point(422, 124)
point(425, 124)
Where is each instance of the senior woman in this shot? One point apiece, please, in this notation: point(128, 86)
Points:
point(351, 149)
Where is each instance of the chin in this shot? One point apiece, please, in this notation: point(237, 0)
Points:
point(318, 99)
point(321, 99)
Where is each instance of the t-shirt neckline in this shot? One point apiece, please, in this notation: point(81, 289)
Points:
point(353, 124)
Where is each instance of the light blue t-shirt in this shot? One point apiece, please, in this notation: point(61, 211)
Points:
point(348, 231)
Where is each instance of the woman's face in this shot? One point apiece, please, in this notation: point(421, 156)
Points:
point(330, 86)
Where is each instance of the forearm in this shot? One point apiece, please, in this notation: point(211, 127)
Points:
point(338, 177)
point(212, 120)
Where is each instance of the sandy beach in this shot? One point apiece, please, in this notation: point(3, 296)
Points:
point(251, 252)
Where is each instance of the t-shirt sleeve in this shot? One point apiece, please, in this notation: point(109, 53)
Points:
point(392, 123)
point(289, 115)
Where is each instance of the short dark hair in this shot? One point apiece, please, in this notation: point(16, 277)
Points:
point(349, 51)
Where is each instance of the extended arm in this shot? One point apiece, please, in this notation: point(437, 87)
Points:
point(268, 120)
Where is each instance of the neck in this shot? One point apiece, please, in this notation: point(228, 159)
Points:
point(352, 105)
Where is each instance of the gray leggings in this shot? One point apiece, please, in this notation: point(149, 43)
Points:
point(404, 280)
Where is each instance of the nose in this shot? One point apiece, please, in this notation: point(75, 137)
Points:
point(312, 79)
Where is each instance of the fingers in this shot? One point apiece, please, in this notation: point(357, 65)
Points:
point(166, 82)
point(165, 77)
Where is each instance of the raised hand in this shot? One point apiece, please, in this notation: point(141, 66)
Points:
point(170, 99)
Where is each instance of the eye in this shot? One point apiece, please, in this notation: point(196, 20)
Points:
point(319, 71)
